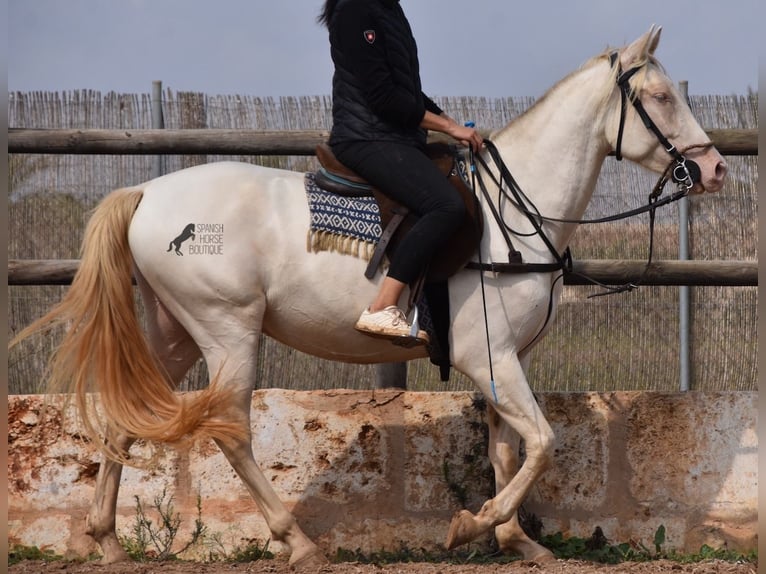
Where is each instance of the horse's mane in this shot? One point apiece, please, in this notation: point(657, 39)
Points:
point(606, 89)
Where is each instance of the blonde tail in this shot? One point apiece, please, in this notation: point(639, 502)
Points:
point(104, 349)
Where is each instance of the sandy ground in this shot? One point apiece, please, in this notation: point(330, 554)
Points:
point(281, 567)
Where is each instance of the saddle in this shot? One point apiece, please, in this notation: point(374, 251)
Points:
point(396, 219)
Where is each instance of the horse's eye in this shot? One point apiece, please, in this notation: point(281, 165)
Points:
point(661, 97)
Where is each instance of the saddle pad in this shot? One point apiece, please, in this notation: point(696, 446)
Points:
point(348, 225)
point(351, 225)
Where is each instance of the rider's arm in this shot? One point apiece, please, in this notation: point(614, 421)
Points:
point(446, 125)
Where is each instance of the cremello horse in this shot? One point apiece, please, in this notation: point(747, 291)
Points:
point(263, 280)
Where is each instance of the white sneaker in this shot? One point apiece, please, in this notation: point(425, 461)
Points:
point(389, 323)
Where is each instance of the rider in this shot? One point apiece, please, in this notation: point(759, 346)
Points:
point(380, 122)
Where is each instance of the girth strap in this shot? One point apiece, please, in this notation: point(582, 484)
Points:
point(564, 264)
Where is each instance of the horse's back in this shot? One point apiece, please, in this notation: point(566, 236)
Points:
point(216, 190)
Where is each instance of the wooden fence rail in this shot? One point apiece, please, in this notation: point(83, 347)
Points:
point(240, 142)
point(610, 272)
point(304, 142)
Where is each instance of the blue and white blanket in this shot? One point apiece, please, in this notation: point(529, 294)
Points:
point(349, 225)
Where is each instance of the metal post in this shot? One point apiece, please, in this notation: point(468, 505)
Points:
point(683, 290)
point(158, 123)
point(391, 375)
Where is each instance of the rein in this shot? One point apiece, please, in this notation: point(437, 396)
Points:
point(510, 191)
point(684, 172)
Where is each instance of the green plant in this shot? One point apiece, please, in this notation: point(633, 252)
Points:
point(20, 553)
point(251, 552)
point(455, 486)
point(150, 542)
point(596, 548)
point(708, 553)
point(476, 471)
point(410, 555)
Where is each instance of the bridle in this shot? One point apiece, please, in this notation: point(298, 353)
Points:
point(683, 171)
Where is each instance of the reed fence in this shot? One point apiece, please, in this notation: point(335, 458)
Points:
point(624, 342)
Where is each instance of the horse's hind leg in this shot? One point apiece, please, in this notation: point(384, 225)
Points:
point(282, 524)
point(284, 528)
point(503, 454)
point(100, 522)
point(230, 347)
point(177, 351)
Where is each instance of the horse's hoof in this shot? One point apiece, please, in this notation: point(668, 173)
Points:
point(543, 558)
point(114, 557)
point(462, 529)
point(113, 552)
point(524, 546)
point(310, 562)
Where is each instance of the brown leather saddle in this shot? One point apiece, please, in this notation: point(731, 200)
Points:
point(396, 219)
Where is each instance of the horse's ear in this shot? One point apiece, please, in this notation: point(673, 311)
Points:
point(654, 38)
point(637, 52)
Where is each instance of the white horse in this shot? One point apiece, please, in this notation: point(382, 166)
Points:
point(263, 279)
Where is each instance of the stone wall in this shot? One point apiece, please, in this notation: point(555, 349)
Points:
point(374, 470)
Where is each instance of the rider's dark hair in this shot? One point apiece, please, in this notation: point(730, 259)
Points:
point(326, 13)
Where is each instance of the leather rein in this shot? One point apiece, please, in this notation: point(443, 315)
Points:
point(683, 171)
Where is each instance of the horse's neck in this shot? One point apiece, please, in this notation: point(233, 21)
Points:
point(555, 152)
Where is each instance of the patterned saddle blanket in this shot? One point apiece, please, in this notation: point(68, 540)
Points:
point(355, 220)
point(348, 213)
point(347, 225)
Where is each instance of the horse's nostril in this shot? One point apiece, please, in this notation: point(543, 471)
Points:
point(721, 170)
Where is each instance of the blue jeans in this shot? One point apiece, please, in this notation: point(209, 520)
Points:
point(407, 175)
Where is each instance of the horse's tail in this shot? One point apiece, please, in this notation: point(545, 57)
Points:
point(104, 349)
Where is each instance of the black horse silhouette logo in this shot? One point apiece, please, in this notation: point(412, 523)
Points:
point(183, 236)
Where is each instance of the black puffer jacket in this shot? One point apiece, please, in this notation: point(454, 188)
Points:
point(376, 86)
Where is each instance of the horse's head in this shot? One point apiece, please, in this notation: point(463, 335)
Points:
point(644, 89)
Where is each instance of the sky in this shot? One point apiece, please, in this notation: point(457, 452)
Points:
point(490, 48)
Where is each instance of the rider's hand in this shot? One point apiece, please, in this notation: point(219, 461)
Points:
point(468, 136)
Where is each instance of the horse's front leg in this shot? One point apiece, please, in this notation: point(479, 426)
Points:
point(100, 522)
point(515, 404)
point(504, 456)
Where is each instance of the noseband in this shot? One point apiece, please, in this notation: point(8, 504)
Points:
point(684, 172)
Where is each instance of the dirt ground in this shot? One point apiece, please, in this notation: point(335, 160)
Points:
point(281, 567)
